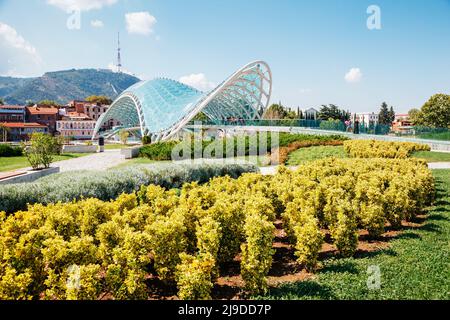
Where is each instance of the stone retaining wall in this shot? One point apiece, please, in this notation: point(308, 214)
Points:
point(29, 176)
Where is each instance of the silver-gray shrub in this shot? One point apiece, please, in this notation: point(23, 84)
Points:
point(107, 185)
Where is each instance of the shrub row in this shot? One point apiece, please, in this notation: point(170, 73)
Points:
point(344, 195)
point(161, 151)
point(10, 151)
point(110, 184)
point(382, 149)
point(91, 248)
point(230, 146)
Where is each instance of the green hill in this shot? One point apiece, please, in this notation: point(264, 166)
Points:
point(64, 86)
point(8, 85)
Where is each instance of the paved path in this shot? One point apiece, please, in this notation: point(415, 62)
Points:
point(273, 169)
point(439, 165)
point(97, 161)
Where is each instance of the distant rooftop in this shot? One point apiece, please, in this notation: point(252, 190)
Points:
point(43, 110)
point(23, 125)
point(12, 107)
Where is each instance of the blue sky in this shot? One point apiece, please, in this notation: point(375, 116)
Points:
point(310, 45)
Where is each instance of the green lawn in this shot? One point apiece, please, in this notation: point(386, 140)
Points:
point(436, 136)
point(303, 155)
point(14, 163)
point(117, 146)
point(138, 161)
point(260, 161)
point(431, 156)
point(416, 266)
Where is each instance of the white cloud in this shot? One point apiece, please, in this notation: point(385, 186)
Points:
point(18, 56)
point(354, 75)
point(305, 90)
point(97, 23)
point(10, 37)
point(198, 81)
point(140, 22)
point(113, 67)
point(82, 5)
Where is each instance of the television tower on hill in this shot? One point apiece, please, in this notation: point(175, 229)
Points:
point(119, 59)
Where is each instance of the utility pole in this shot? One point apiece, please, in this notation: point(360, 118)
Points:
point(119, 59)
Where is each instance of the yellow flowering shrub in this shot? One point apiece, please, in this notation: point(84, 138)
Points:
point(382, 149)
point(193, 277)
point(257, 251)
point(305, 233)
point(87, 284)
point(14, 286)
point(167, 241)
point(229, 213)
point(186, 235)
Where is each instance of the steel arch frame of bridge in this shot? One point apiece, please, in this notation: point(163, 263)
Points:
point(245, 94)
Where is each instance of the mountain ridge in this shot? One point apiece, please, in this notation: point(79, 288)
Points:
point(65, 85)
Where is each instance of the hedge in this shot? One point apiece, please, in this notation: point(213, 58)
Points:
point(163, 150)
point(185, 236)
point(382, 149)
point(9, 151)
point(108, 185)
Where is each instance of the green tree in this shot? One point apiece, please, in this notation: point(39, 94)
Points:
point(124, 135)
point(278, 111)
point(40, 150)
point(275, 111)
point(146, 140)
point(391, 114)
point(383, 115)
point(48, 103)
point(100, 100)
point(333, 112)
point(1, 102)
point(290, 114)
point(434, 113)
point(414, 116)
point(200, 117)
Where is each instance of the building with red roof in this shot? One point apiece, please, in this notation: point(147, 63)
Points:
point(20, 131)
point(43, 115)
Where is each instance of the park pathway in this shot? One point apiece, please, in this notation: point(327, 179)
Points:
point(97, 162)
point(273, 169)
point(439, 165)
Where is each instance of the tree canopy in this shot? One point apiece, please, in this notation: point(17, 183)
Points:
point(48, 103)
point(201, 117)
point(333, 112)
point(386, 115)
point(101, 100)
point(278, 111)
point(434, 113)
point(1, 102)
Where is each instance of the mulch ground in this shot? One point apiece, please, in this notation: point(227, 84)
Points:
point(285, 268)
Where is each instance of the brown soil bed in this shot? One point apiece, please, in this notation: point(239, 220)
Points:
point(284, 269)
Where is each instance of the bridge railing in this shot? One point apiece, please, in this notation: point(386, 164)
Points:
point(418, 132)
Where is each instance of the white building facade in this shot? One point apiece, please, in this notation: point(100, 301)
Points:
point(366, 117)
point(76, 126)
point(310, 114)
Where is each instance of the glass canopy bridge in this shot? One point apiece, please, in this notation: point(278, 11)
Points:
point(161, 108)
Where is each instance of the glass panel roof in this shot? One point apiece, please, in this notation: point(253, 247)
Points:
point(162, 106)
point(164, 102)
